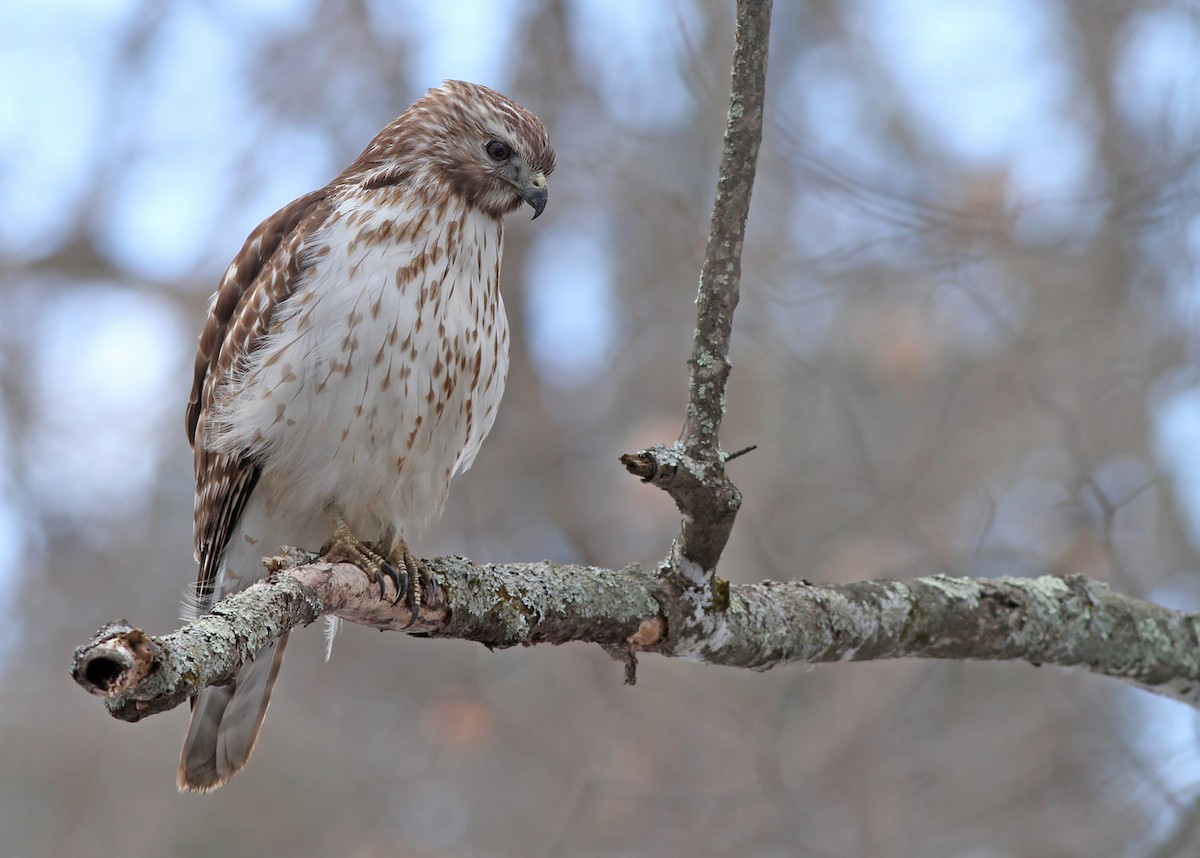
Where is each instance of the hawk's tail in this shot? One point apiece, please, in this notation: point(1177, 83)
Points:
point(225, 723)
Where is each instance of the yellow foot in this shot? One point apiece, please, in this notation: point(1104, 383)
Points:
point(415, 584)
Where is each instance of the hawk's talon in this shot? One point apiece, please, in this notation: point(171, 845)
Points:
point(389, 571)
point(401, 588)
point(415, 584)
point(382, 575)
point(345, 546)
point(422, 587)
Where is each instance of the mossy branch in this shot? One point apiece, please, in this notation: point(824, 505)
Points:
point(1070, 621)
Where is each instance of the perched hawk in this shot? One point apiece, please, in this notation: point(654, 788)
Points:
point(351, 363)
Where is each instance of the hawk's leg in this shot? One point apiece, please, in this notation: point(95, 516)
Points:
point(414, 583)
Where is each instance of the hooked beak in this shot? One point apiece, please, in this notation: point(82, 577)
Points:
point(535, 194)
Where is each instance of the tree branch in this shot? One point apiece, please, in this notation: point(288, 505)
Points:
point(692, 470)
point(1070, 621)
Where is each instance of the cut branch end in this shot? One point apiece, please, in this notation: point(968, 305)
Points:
point(117, 659)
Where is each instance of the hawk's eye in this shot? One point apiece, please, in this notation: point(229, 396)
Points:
point(498, 151)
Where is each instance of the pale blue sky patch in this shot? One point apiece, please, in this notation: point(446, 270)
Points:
point(160, 216)
point(1157, 74)
point(569, 314)
point(1177, 434)
point(290, 162)
point(991, 83)
point(464, 40)
point(1186, 282)
point(51, 108)
point(172, 191)
point(16, 532)
point(842, 119)
point(634, 52)
point(13, 535)
point(264, 14)
point(110, 353)
point(194, 83)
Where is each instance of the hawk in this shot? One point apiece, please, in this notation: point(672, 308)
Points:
point(351, 363)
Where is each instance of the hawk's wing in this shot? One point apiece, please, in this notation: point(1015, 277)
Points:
point(257, 282)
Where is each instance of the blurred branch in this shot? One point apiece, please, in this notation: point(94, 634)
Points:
point(1072, 621)
point(692, 470)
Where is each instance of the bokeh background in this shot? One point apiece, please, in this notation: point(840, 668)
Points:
point(966, 344)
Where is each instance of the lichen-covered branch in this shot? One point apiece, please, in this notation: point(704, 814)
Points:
point(692, 470)
point(498, 605)
point(1070, 621)
point(720, 278)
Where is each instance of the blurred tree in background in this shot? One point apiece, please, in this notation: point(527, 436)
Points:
point(966, 343)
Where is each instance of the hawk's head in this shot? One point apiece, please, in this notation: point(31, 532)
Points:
point(467, 141)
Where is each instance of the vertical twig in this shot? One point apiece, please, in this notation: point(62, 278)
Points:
point(720, 278)
point(692, 470)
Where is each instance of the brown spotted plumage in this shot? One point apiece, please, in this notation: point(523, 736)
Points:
point(351, 363)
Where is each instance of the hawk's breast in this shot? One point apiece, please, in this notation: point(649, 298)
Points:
point(383, 370)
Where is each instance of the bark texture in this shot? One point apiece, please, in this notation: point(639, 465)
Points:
point(1071, 621)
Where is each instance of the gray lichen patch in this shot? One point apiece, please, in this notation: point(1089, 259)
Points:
point(544, 602)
